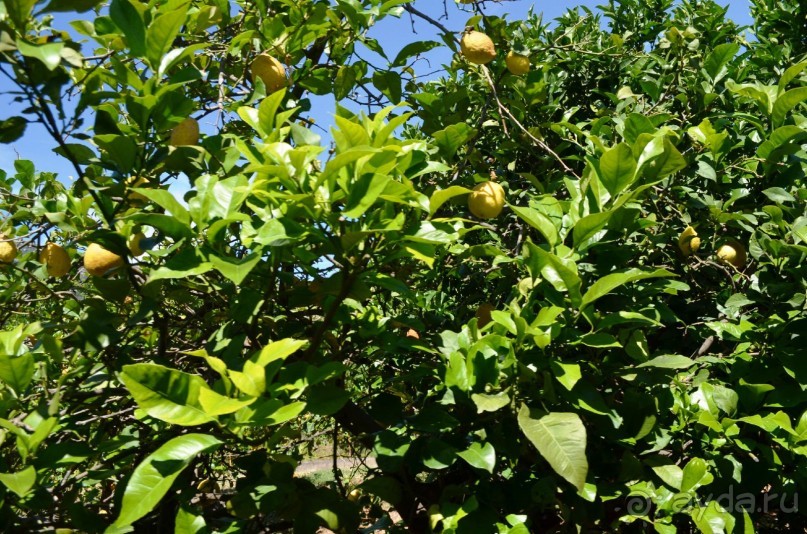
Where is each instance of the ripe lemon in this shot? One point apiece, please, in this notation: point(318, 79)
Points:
point(483, 314)
point(98, 260)
point(134, 244)
point(8, 250)
point(477, 47)
point(270, 70)
point(185, 133)
point(517, 64)
point(732, 253)
point(486, 200)
point(688, 241)
point(56, 259)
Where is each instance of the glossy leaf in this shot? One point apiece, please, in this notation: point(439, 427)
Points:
point(561, 440)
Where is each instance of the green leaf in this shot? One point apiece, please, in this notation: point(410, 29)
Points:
point(568, 374)
point(17, 372)
point(71, 6)
point(128, 19)
point(561, 439)
point(234, 269)
point(363, 194)
point(785, 102)
point(163, 30)
point(441, 196)
point(617, 169)
point(19, 11)
point(413, 49)
point(540, 222)
point(12, 129)
point(712, 519)
point(669, 361)
point(480, 456)
point(490, 403)
point(50, 54)
point(20, 482)
point(609, 282)
point(166, 394)
point(716, 63)
point(672, 475)
point(696, 474)
point(166, 200)
point(562, 275)
point(188, 522)
point(588, 226)
point(450, 139)
point(155, 475)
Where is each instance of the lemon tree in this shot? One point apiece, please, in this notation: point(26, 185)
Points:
point(557, 286)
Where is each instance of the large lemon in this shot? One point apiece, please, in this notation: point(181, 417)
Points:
point(8, 250)
point(732, 253)
point(270, 70)
point(477, 47)
point(56, 259)
point(688, 241)
point(486, 200)
point(98, 260)
point(185, 133)
point(518, 64)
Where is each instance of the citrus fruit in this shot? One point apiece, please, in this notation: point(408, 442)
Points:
point(185, 133)
point(56, 259)
point(486, 200)
point(517, 64)
point(98, 260)
point(270, 71)
point(477, 47)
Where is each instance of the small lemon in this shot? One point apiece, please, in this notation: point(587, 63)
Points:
point(270, 70)
point(688, 241)
point(185, 133)
point(135, 248)
point(517, 64)
point(8, 250)
point(56, 259)
point(477, 47)
point(486, 200)
point(98, 260)
point(732, 253)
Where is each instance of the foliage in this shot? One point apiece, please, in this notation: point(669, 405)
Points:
point(271, 306)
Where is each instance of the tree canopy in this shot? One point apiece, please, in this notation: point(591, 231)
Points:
point(556, 294)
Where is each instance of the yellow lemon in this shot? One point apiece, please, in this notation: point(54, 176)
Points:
point(56, 259)
point(185, 133)
point(98, 260)
point(134, 244)
point(486, 200)
point(732, 253)
point(270, 70)
point(8, 250)
point(517, 64)
point(483, 314)
point(477, 47)
point(688, 241)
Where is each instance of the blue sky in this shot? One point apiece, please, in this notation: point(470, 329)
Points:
point(393, 34)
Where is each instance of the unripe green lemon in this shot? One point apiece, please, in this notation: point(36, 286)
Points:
point(185, 133)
